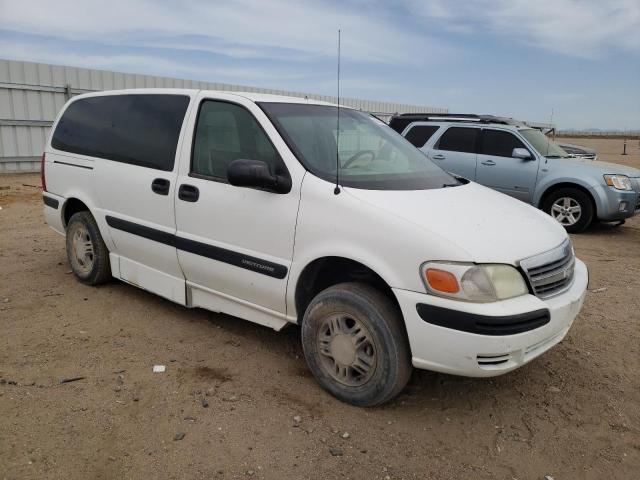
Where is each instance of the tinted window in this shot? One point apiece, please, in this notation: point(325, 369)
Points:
point(419, 135)
point(457, 139)
point(499, 143)
point(226, 132)
point(137, 129)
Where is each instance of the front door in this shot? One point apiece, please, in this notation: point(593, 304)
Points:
point(235, 244)
point(498, 169)
point(455, 151)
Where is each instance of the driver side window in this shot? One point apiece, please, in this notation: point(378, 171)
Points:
point(226, 132)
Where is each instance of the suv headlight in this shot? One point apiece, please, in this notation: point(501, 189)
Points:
point(619, 182)
point(471, 282)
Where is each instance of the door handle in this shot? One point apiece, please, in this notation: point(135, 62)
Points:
point(438, 157)
point(160, 186)
point(488, 162)
point(188, 193)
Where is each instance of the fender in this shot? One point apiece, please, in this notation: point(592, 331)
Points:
point(376, 263)
point(545, 184)
point(93, 209)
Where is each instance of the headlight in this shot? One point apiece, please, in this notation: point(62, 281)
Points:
point(473, 283)
point(619, 182)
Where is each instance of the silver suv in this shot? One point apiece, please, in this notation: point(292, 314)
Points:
point(520, 161)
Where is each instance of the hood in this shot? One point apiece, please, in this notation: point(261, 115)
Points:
point(598, 166)
point(490, 226)
point(580, 148)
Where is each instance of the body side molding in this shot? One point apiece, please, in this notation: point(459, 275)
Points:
point(220, 254)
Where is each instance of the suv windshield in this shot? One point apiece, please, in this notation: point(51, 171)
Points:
point(543, 144)
point(372, 155)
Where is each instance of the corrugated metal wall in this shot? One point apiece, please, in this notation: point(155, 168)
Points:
point(31, 94)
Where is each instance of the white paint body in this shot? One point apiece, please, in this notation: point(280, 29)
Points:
point(391, 232)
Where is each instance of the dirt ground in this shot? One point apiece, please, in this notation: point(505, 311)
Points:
point(233, 388)
point(610, 150)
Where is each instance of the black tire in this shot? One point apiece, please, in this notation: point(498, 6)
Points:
point(386, 341)
point(577, 196)
point(94, 268)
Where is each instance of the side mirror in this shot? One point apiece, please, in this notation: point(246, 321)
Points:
point(522, 153)
point(256, 174)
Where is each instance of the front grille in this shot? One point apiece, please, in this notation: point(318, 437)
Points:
point(550, 273)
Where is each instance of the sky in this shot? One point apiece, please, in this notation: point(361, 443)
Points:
point(518, 58)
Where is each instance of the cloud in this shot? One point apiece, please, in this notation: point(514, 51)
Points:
point(245, 28)
point(374, 31)
point(578, 28)
point(146, 64)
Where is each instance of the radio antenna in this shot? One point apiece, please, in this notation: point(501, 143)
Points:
point(336, 190)
point(550, 126)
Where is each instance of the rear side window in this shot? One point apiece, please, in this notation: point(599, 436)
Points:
point(136, 129)
point(419, 134)
point(226, 132)
point(499, 143)
point(458, 139)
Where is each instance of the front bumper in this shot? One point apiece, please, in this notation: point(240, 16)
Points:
point(449, 350)
point(615, 204)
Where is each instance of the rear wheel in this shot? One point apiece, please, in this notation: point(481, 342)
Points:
point(355, 344)
point(570, 207)
point(86, 251)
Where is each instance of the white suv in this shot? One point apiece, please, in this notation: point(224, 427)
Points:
point(229, 202)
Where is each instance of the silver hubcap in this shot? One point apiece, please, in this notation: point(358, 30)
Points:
point(82, 249)
point(347, 352)
point(566, 211)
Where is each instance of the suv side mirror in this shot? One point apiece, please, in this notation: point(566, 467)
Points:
point(522, 153)
point(256, 174)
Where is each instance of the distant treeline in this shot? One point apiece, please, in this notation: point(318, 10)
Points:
point(633, 135)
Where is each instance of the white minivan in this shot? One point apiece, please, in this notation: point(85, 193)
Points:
point(257, 206)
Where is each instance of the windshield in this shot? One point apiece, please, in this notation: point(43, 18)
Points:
point(543, 144)
point(371, 154)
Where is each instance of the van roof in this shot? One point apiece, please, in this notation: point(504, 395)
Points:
point(254, 97)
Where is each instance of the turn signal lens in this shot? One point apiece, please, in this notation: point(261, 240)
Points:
point(442, 281)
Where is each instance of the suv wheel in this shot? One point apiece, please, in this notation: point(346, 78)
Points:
point(86, 251)
point(572, 208)
point(355, 344)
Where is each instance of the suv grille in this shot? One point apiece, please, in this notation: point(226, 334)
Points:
point(550, 273)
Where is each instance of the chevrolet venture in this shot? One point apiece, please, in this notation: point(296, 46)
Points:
point(233, 202)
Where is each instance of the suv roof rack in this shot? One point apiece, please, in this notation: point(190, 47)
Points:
point(399, 122)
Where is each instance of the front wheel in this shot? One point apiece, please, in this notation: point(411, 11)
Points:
point(570, 207)
point(356, 345)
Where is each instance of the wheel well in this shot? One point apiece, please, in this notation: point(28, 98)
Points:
point(558, 186)
point(327, 271)
point(71, 207)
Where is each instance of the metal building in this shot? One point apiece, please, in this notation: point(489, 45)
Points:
point(31, 95)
